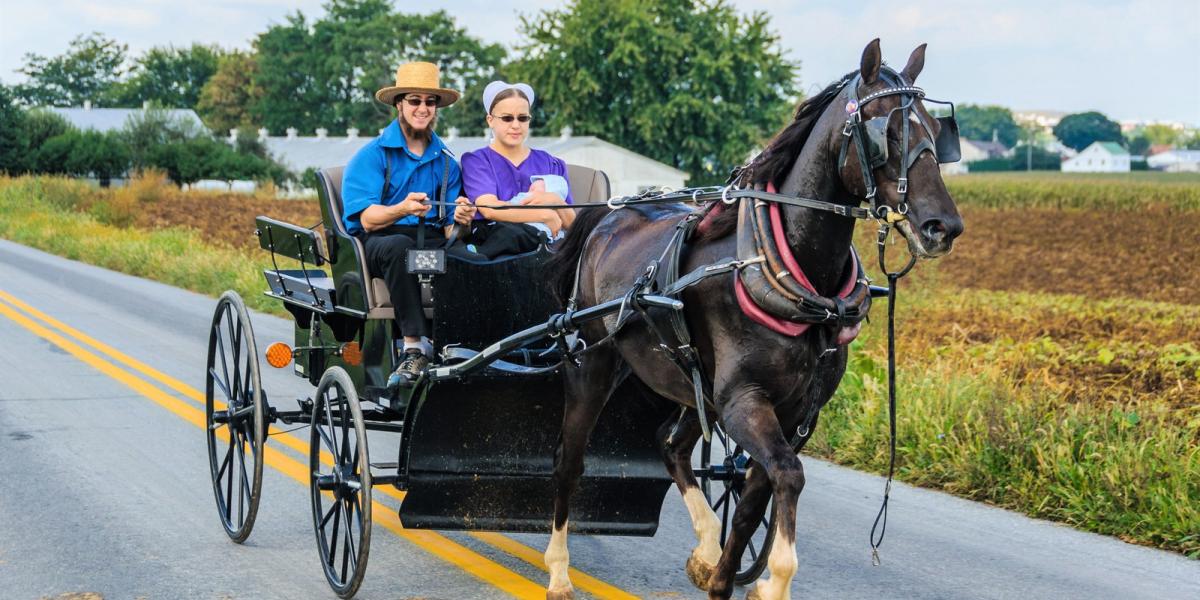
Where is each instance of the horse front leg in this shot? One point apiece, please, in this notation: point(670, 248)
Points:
point(677, 439)
point(750, 420)
point(587, 390)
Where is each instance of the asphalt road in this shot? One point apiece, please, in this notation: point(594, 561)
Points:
point(106, 489)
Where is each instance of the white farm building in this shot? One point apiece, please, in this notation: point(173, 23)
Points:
point(1100, 157)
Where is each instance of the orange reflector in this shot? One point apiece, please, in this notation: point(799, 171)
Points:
point(351, 354)
point(279, 355)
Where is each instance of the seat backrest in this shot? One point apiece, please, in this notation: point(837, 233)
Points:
point(333, 196)
point(587, 185)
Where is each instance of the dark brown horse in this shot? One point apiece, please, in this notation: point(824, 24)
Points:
point(763, 384)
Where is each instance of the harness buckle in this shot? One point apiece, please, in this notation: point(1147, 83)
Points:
point(902, 186)
point(846, 129)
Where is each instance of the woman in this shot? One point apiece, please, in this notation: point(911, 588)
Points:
point(509, 171)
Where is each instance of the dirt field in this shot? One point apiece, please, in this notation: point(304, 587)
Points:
point(226, 219)
point(1151, 254)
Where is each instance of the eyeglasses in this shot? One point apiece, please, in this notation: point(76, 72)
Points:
point(430, 102)
point(510, 118)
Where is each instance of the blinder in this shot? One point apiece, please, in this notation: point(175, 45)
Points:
point(945, 146)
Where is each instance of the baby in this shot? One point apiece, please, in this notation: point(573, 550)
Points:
point(554, 184)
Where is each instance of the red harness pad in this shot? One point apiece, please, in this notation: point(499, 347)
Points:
point(788, 328)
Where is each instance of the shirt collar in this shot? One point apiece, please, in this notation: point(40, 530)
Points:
point(392, 137)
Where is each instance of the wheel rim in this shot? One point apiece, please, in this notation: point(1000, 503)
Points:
point(723, 489)
point(340, 486)
point(234, 417)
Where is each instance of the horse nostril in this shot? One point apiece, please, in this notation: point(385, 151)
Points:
point(934, 230)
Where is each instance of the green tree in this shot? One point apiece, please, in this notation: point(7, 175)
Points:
point(1079, 130)
point(96, 154)
point(1162, 135)
point(326, 74)
point(692, 84)
point(43, 124)
point(171, 77)
point(147, 129)
point(985, 123)
point(92, 65)
point(14, 138)
point(229, 95)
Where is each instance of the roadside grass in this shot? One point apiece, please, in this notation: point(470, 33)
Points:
point(1033, 420)
point(1059, 406)
point(1076, 190)
point(61, 217)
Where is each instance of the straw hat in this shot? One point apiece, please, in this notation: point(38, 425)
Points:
point(420, 77)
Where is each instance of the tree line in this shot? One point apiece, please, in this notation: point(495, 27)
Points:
point(41, 141)
point(695, 85)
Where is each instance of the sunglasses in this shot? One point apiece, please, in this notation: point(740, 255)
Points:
point(430, 102)
point(510, 118)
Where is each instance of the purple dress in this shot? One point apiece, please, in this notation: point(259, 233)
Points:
point(485, 171)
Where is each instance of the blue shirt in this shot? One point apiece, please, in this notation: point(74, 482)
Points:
point(362, 181)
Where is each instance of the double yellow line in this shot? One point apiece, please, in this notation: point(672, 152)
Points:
point(74, 341)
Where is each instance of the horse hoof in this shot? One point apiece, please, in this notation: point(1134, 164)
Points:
point(567, 594)
point(699, 572)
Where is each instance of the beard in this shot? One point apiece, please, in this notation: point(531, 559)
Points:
point(424, 135)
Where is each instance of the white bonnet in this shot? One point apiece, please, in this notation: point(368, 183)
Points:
point(494, 88)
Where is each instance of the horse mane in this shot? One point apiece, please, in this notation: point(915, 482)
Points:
point(776, 160)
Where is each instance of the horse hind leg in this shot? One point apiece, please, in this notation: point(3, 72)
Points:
point(677, 439)
point(588, 388)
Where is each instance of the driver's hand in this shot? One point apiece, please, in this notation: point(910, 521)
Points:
point(413, 204)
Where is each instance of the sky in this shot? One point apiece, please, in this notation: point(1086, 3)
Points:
point(1130, 59)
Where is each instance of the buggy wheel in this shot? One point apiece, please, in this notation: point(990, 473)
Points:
point(233, 412)
point(722, 475)
point(341, 491)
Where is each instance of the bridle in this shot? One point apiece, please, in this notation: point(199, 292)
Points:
point(870, 139)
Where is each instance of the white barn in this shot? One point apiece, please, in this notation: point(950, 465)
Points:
point(1175, 161)
point(1100, 157)
point(628, 172)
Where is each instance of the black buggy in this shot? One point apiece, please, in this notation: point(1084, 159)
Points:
point(476, 433)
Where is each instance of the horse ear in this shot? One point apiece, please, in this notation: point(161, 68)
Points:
point(871, 60)
point(916, 62)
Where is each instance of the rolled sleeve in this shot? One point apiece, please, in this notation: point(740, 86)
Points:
point(362, 182)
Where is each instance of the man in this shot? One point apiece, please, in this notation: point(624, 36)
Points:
point(386, 215)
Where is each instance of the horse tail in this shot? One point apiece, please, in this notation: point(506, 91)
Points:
point(561, 268)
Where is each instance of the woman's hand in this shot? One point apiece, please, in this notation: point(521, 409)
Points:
point(543, 199)
point(464, 212)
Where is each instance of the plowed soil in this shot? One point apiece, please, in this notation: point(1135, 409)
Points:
point(1150, 254)
point(226, 219)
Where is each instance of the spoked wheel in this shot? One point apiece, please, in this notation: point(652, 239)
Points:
point(341, 491)
point(722, 475)
point(233, 410)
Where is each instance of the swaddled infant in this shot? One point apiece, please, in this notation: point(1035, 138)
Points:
point(555, 184)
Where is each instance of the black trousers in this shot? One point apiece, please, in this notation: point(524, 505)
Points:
point(386, 249)
point(496, 238)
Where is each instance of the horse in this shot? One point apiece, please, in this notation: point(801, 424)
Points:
point(763, 384)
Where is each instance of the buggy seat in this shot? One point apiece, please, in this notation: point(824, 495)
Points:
point(360, 290)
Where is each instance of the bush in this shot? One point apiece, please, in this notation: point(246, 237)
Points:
point(14, 142)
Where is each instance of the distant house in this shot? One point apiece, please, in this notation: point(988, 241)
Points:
point(989, 150)
point(1175, 161)
point(1100, 157)
point(628, 172)
point(111, 119)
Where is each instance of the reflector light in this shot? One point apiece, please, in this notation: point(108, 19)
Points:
point(279, 355)
point(351, 354)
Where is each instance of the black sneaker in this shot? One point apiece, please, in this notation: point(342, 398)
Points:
point(413, 364)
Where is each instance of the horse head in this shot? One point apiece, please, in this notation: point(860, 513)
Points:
point(888, 129)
